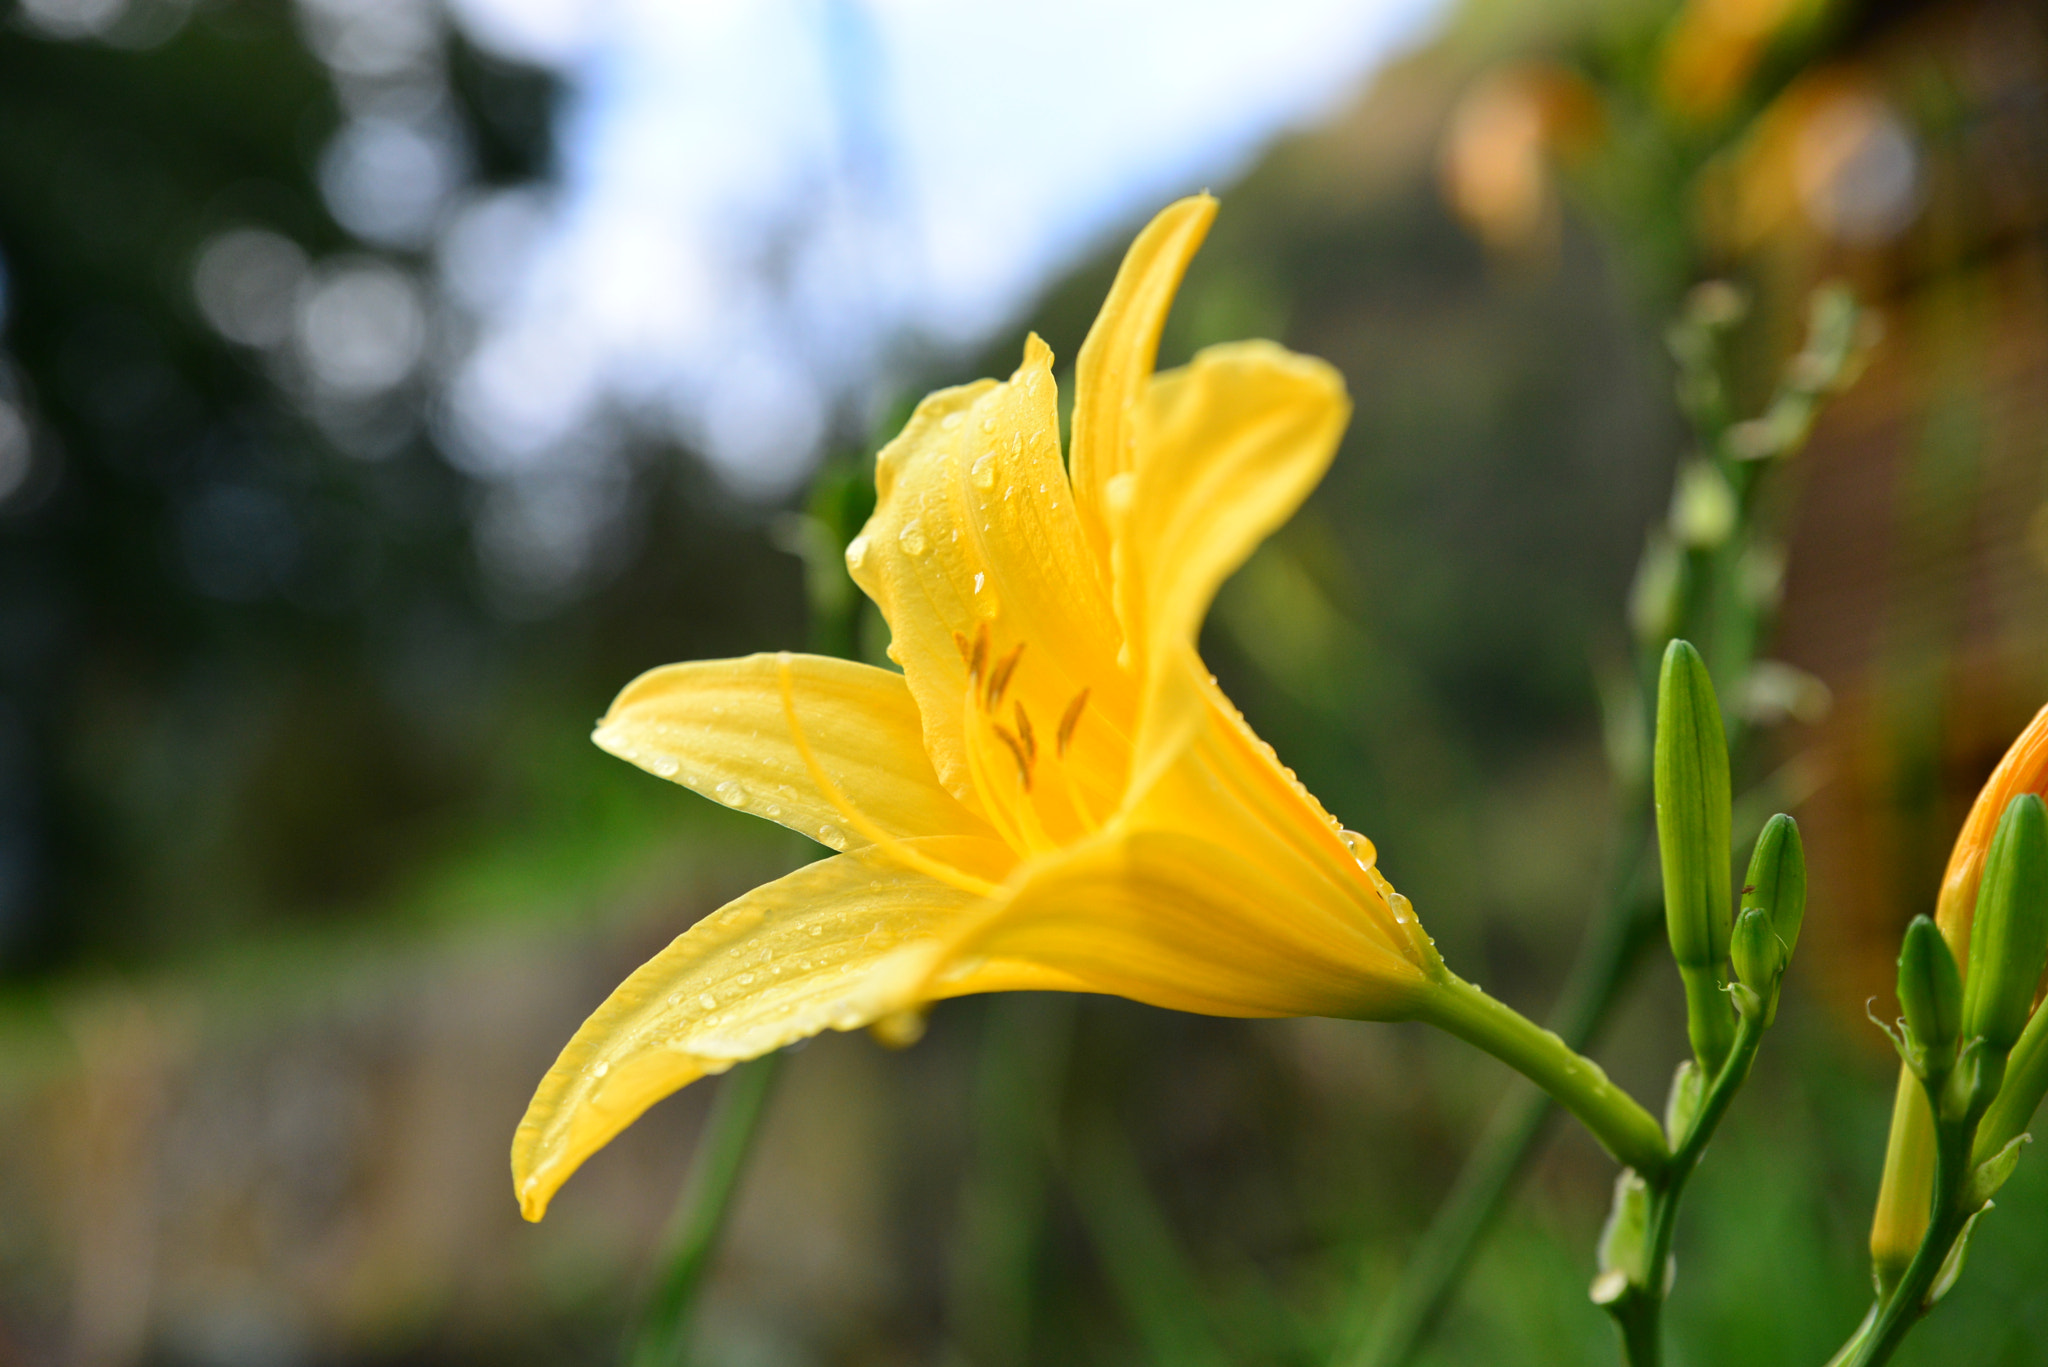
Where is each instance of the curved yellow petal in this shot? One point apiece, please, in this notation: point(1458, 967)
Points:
point(1116, 359)
point(1172, 919)
point(1228, 446)
point(719, 728)
point(835, 945)
point(975, 546)
point(1200, 768)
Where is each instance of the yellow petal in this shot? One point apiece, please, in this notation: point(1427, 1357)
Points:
point(1201, 769)
point(1228, 447)
point(975, 532)
point(836, 945)
point(1178, 921)
point(718, 727)
point(1116, 359)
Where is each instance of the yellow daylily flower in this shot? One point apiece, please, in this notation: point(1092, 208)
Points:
point(1053, 793)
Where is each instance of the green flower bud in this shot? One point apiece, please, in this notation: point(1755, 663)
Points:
point(1759, 959)
point(1777, 879)
point(1930, 998)
point(2009, 937)
point(1690, 781)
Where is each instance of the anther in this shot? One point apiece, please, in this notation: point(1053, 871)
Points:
point(979, 657)
point(1068, 721)
point(999, 677)
point(960, 644)
point(1016, 752)
point(1024, 733)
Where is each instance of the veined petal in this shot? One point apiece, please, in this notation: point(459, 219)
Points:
point(1228, 446)
point(719, 727)
point(1172, 919)
point(975, 535)
point(1116, 359)
point(1200, 768)
point(835, 945)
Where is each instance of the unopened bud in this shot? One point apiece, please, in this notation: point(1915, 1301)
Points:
point(2009, 935)
point(1690, 780)
point(1777, 879)
point(1759, 960)
point(1930, 999)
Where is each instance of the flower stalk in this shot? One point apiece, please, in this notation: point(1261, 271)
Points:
point(1577, 1083)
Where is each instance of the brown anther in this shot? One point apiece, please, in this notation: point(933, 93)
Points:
point(1024, 733)
point(979, 657)
point(960, 644)
point(1068, 721)
point(1016, 753)
point(999, 677)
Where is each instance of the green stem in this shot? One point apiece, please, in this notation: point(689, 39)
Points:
point(662, 1339)
point(1907, 1303)
point(1623, 927)
point(1640, 1312)
point(1627, 1131)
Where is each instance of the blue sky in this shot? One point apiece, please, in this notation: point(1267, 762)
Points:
point(768, 209)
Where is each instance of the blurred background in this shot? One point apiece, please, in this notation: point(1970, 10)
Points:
point(383, 383)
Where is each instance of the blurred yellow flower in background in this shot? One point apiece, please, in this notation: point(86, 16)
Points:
point(1053, 794)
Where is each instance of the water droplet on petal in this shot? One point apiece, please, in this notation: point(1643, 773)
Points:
point(950, 421)
point(665, 766)
point(978, 577)
point(988, 424)
point(911, 539)
point(832, 835)
point(600, 1070)
point(857, 551)
point(983, 474)
point(707, 1001)
point(730, 793)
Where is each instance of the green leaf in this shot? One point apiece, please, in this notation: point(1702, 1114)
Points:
point(1993, 1172)
point(1624, 1240)
point(1952, 1265)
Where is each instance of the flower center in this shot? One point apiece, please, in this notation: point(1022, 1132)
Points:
point(1031, 794)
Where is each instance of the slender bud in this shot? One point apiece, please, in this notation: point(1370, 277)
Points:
point(1777, 879)
point(2009, 936)
point(1759, 962)
point(1930, 999)
point(1690, 778)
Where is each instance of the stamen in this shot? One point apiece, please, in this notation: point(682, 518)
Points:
point(980, 655)
point(1068, 721)
point(1024, 732)
point(977, 773)
point(999, 680)
point(1016, 749)
point(881, 839)
point(1076, 801)
point(960, 644)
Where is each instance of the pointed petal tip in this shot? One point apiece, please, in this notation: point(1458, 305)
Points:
point(1037, 355)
